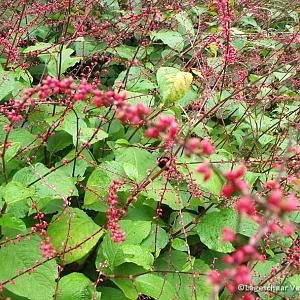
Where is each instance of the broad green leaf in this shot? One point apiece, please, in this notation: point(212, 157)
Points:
point(134, 254)
point(295, 281)
point(179, 244)
point(130, 250)
point(119, 253)
point(79, 231)
point(69, 125)
point(126, 52)
point(171, 38)
point(59, 141)
point(130, 170)
point(178, 261)
point(52, 60)
point(109, 293)
point(21, 136)
point(239, 43)
point(262, 271)
point(75, 286)
point(186, 25)
point(134, 98)
point(172, 83)
point(247, 227)
point(51, 185)
point(135, 231)
point(211, 232)
point(51, 57)
point(98, 185)
point(8, 220)
point(126, 284)
point(169, 197)
point(82, 163)
point(10, 84)
point(180, 221)
point(251, 177)
point(213, 185)
point(157, 239)
point(137, 81)
point(37, 285)
point(85, 47)
point(11, 151)
point(141, 160)
point(15, 192)
point(249, 20)
point(155, 286)
point(38, 46)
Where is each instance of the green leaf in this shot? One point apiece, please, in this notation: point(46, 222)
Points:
point(135, 231)
point(249, 20)
point(127, 285)
point(21, 136)
point(81, 228)
point(15, 192)
point(59, 141)
point(82, 163)
point(37, 285)
point(10, 84)
point(211, 232)
point(54, 185)
point(171, 38)
point(75, 286)
point(178, 261)
point(173, 84)
point(51, 57)
point(126, 52)
point(139, 159)
point(69, 125)
point(134, 254)
point(130, 170)
point(295, 281)
point(136, 81)
point(134, 98)
point(11, 151)
point(179, 244)
point(38, 46)
point(119, 253)
point(85, 47)
point(8, 220)
point(109, 293)
point(154, 286)
point(185, 24)
point(130, 250)
point(213, 185)
point(157, 239)
point(169, 197)
point(98, 185)
point(247, 227)
point(53, 60)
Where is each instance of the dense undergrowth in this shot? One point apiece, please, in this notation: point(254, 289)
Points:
point(149, 149)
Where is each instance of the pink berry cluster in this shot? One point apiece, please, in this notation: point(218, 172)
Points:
point(232, 278)
point(47, 248)
point(166, 124)
point(226, 14)
point(132, 114)
point(114, 214)
point(280, 204)
point(199, 147)
point(235, 182)
point(42, 224)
